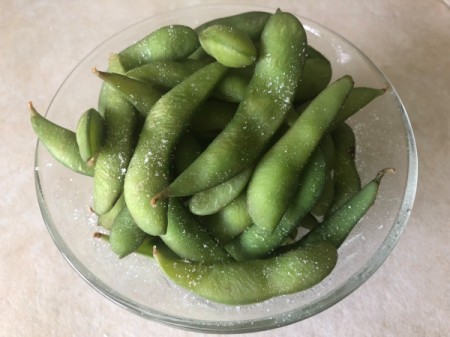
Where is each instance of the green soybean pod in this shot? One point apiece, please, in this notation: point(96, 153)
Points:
point(228, 45)
point(217, 197)
point(259, 115)
point(230, 221)
point(174, 42)
point(309, 222)
point(346, 178)
point(125, 236)
point(276, 175)
point(106, 220)
point(315, 77)
point(90, 135)
point(358, 98)
point(150, 167)
point(255, 242)
point(338, 225)
point(146, 247)
point(212, 117)
point(187, 238)
point(232, 87)
point(141, 95)
point(165, 74)
point(326, 198)
point(121, 125)
point(186, 151)
point(60, 142)
point(246, 282)
point(252, 23)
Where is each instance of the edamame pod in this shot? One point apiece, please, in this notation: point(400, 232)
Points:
point(125, 236)
point(230, 221)
point(121, 124)
point(326, 198)
point(228, 45)
point(106, 220)
point(338, 226)
point(186, 151)
point(146, 247)
point(149, 169)
point(212, 117)
point(260, 114)
point(232, 87)
point(90, 135)
point(251, 23)
point(189, 239)
point(166, 74)
point(60, 142)
point(255, 242)
point(174, 42)
point(358, 98)
point(141, 95)
point(276, 175)
point(309, 221)
point(315, 77)
point(346, 178)
point(245, 282)
point(217, 197)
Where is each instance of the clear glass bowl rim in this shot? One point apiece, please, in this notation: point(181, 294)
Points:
point(286, 318)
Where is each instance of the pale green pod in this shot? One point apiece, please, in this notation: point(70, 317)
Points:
point(90, 135)
point(230, 221)
point(187, 238)
point(245, 282)
point(150, 167)
point(125, 236)
point(276, 175)
point(173, 42)
point(60, 142)
point(106, 220)
point(217, 197)
point(228, 45)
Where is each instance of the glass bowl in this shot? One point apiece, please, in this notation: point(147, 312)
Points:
point(384, 138)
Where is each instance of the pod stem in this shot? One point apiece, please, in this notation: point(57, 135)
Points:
point(95, 71)
point(163, 195)
point(381, 173)
point(103, 236)
point(32, 109)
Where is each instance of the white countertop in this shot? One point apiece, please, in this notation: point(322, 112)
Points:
point(41, 295)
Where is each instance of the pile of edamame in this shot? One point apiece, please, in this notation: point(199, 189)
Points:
point(211, 146)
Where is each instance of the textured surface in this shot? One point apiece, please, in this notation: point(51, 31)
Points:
point(41, 41)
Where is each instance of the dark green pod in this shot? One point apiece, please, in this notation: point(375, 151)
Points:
point(315, 77)
point(358, 98)
point(346, 178)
